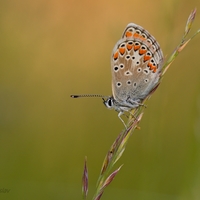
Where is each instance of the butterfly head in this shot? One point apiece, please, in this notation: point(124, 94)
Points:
point(109, 102)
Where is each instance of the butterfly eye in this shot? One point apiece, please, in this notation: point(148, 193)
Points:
point(110, 102)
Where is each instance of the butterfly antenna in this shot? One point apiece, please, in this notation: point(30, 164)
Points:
point(87, 95)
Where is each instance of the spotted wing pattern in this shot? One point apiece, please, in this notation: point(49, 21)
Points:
point(136, 64)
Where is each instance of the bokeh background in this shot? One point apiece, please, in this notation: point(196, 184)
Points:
point(51, 49)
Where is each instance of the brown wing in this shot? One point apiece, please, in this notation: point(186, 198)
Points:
point(136, 63)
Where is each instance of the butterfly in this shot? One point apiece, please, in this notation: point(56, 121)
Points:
point(136, 64)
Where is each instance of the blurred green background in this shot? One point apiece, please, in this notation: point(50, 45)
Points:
point(51, 49)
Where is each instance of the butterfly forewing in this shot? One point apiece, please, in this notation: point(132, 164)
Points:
point(136, 64)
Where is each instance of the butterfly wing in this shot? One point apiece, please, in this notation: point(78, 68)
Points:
point(136, 64)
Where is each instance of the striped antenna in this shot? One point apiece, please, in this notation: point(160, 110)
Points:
point(87, 95)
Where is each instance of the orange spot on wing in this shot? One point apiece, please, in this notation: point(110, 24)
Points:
point(142, 51)
point(122, 50)
point(129, 34)
point(136, 35)
point(136, 47)
point(154, 70)
point(146, 58)
point(142, 38)
point(149, 65)
point(129, 46)
point(152, 67)
point(116, 54)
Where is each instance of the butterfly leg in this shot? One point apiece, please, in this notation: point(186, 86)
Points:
point(141, 104)
point(129, 114)
point(135, 118)
point(126, 115)
point(119, 115)
point(132, 114)
point(136, 103)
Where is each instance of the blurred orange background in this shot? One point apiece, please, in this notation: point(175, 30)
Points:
point(51, 49)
